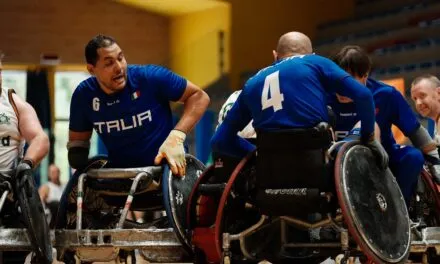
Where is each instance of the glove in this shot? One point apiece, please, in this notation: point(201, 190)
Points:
point(378, 151)
point(434, 167)
point(24, 177)
point(172, 149)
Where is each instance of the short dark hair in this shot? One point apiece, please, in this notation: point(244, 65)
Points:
point(354, 60)
point(99, 41)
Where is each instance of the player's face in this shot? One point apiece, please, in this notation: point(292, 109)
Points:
point(54, 174)
point(110, 69)
point(426, 98)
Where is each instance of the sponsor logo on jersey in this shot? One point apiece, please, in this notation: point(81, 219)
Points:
point(347, 114)
point(123, 124)
point(113, 102)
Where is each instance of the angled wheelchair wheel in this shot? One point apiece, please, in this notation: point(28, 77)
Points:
point(35, 220)
point(176, 193)
point(431, 197)
point(429, 209)
point(372, 205)
point(191, 214)
point(66, 217)
point(232, 216)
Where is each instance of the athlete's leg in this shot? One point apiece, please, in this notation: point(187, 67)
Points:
point(406, 164)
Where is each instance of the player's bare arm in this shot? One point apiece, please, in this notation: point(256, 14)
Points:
point(31, 130)
point(195, 102)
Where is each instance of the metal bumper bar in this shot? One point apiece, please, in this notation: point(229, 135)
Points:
point(17, 239)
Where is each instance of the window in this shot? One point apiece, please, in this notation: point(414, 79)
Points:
point(15, 80)
point(65, 84)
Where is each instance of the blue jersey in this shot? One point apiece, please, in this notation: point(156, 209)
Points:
point(391, 109)
point(291, 93)
point(134, 122)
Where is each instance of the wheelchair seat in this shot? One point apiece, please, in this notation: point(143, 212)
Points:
point(292, 173)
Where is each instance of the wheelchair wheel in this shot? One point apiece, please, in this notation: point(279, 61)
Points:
point(232, 215)
point(431, 211)
point(191, 213)
point(91, 219)
point(35, 220)
point(176, 194)
point(431, 200)
point(372, 205)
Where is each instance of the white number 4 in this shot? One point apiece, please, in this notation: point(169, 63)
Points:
point(272, 84)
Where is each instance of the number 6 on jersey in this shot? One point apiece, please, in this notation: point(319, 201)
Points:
point(272, 84)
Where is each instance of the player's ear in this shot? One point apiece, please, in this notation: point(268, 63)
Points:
point(275, 55)
point(90, 69)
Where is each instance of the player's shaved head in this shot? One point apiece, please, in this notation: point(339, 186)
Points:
point(293, 43)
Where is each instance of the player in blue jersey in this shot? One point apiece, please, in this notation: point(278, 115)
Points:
point(292, 93)
point(406, 162)
point(129, 107)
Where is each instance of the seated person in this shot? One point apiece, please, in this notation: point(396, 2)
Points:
point(129, 108)
point(425, 92)
point(50, 193)
point(20, 124)
point(225, 164)
point(292, 93)
point(406, 162)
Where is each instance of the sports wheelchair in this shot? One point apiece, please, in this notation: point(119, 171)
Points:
point(92, 222)
point(424, 210)
point(294, 200)
point(21, 208)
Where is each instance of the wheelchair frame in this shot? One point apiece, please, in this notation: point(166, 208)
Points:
point(429, 238)
point(16, 239)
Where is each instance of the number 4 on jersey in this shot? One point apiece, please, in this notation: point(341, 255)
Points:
point(272, 84)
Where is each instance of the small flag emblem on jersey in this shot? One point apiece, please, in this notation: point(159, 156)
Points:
point(135, 95)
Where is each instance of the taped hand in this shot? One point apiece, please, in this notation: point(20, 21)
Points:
point(172, 149)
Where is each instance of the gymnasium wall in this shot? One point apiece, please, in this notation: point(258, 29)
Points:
point(257, 25)
point(195, 44)
point(32, 27)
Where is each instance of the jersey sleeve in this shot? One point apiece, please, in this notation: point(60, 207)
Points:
point(403, 116)
point(240, 115)
point(169, 85)
point(332, 73)
point(339, 81)
point(79, 121)
point(226, 140)
point(227, 106)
